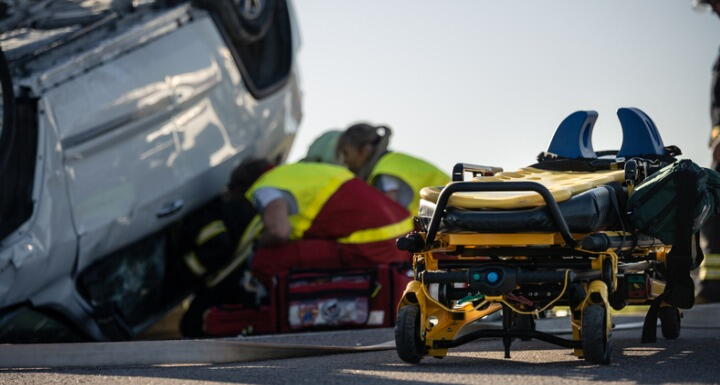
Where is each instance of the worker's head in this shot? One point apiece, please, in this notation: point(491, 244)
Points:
point(244, 175)
point(357, 145)
point(324, 148)
point(712, 4)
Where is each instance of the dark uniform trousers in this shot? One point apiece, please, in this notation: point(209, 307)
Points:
point(710, 269)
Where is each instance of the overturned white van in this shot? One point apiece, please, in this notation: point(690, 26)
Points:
point(119, 118)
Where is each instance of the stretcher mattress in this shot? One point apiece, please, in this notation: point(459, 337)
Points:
point(562, 185)
point(586, 212)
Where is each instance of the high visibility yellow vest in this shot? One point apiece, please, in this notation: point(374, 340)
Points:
point(415, 172)
point(311, 184)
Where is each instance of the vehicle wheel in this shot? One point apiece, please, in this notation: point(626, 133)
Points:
point(595, 344)
point(246, 21)
point(409, 345)
point(255, 17)
point(670, 322)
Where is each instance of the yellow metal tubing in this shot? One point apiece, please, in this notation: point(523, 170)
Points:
point(594, 289)
point(446, 323)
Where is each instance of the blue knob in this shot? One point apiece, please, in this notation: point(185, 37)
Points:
point(493, 277)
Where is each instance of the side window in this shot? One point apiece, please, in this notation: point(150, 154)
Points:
point(260, 35)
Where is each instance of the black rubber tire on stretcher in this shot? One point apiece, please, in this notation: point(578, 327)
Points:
point(595, 342)
point(410, 347)
point(669, 322)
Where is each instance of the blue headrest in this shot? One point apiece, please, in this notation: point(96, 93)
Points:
point(573, 138)
point(640, 135)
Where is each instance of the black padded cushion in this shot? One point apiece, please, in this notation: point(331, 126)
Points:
point(584, 213)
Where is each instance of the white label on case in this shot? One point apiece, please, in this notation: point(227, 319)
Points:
point(376, 317)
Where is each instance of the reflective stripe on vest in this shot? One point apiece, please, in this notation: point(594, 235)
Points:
point(193, 263)
point(415, 172)
point(311, 184)
point(210, 231)
point(242, 251)
point(391, 231)
point(710, 268)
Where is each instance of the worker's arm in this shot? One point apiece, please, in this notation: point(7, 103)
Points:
point(276, 222)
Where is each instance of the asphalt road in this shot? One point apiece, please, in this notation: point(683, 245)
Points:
point(694, 358)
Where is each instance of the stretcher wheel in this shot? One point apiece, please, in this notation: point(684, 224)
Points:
point(410, 347)
point(595, 344)
point(670, 322)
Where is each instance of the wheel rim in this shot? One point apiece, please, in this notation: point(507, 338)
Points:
point(251, 9)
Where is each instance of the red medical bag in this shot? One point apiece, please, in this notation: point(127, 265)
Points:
point(318, 300)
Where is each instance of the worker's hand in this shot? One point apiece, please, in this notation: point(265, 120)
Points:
point(276, 222)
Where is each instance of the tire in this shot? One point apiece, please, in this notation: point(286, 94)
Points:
point(255, 17)
point(595, 343)
point(670, 322)
point(410, 347)
point(243, 26)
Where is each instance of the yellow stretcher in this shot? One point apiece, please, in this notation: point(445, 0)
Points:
point(523, 242)
point(475, 272)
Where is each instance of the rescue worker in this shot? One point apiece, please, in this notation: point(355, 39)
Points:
point(211, 233)
point(210, 237)
point(322, 149)
point(363, 149)
point(710, 269)
point(312, 215)
point(318, 215)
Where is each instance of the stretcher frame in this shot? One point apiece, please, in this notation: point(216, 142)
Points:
point(429, 326)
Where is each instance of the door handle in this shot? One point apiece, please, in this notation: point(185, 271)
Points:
point(170, 208)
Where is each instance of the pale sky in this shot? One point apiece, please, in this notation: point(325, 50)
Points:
point(488, 82)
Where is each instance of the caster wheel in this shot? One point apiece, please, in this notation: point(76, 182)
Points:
point(595, 343)
point(670, 322)
point(410, 347)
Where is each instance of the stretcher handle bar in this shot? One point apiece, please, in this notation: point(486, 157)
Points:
point(522, 277)
point(583, 264)
point(445, 276)
point(459, 170)
point(454, 187)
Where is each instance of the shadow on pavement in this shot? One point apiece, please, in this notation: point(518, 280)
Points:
point(690, 360)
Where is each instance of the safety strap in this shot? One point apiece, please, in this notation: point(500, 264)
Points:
point(649, 331)
point(680, 289)
point(616, 205)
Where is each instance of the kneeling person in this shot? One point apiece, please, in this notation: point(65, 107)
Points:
point(320, 216)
